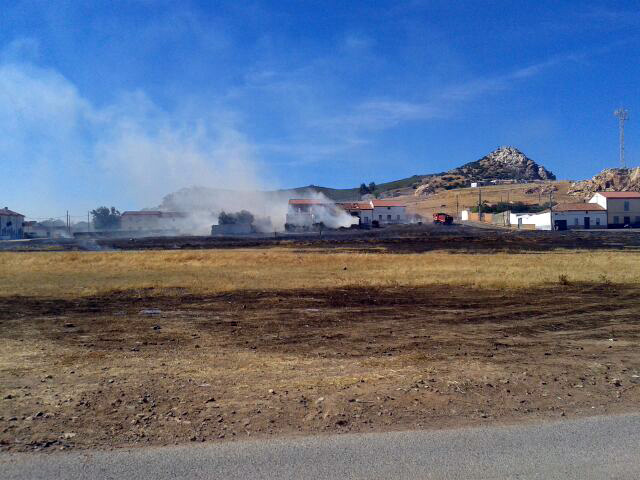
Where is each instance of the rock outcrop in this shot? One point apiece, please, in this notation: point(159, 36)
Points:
point(611, 179)
point(504, 163)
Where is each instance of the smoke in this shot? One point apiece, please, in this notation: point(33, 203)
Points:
point(70, 153)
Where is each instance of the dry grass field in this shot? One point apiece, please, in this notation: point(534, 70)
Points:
point(138, 348)
point(69, 275)
point(447, 200)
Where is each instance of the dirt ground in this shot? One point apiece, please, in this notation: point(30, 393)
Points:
point(136, 369)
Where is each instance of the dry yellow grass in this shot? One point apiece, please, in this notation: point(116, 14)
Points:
point(468, 197)
point(78, 274)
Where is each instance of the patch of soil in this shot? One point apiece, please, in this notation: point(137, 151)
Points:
point(134, 368)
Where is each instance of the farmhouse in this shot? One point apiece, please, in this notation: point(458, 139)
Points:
point(388, 211)
point(306, 212)
point(10, 224)
point(623, 208)
point(362, 210)
point(566, 216)
point(148, 220)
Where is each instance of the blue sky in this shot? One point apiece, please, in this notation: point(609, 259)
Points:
point(119, 103)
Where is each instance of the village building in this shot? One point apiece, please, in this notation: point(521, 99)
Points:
point(362, 210)
point(306, 212)
point(389, 212)
point(11, 224)
point(44, 230)
point(149, 220)
point(567, 216)
point(623, 208)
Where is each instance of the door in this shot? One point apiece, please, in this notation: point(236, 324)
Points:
point(560, 225)
point(587, 222)
point(627, 220)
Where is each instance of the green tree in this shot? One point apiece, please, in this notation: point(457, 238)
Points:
point(363, 189)
point(372, 187)
point(105, 218)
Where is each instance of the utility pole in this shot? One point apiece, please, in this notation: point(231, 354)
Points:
point(551, 209)
point(623, 116)
point(88, 223)
point(480, 204)
point(457, 205)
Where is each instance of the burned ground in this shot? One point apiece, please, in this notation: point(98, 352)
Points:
point(138, 367)
point(391, 239)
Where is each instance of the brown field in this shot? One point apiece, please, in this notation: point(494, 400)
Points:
point(130, 348)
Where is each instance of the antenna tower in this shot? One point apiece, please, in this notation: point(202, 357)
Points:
point(623, 116)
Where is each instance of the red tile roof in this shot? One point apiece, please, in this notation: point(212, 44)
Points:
point(355, 206)
point(578, 207)
point(387, 203)
point(620, 194)
point(5, 211)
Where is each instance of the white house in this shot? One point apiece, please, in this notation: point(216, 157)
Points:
point(146, 220)
point(306, 212)
point(623, 208)
point(10, 224)
point(362, 210)
point(567, 216)
point(388, 211)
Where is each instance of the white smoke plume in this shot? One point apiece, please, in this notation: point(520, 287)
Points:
point(71, 154)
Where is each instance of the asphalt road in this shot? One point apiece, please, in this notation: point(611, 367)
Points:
point(594, 448)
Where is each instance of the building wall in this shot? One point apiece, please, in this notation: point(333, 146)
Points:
point(11, 227)
point(600, 200)
point(575, 220)
point(619, 208)
point(366, 216)
point(133, 223)
point(541, 221)
point(388, 215)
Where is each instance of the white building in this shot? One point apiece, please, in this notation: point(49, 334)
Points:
point(362, 210)
point(10, 224)
point(387, 212)
point(139, 221)
point(306, 212)
point(568, 216)
point(623, 208)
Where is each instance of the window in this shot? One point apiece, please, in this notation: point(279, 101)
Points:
point(616, 219)
point(576, 221)
point(388, 208)
point(379, 217)
point(637, 219)
point(398, 217)
point(389, 217)
point(598, 221)
point(626, 206)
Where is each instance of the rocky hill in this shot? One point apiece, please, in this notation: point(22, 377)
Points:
point(611, 179)
point(504, 163)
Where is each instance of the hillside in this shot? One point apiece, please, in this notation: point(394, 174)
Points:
point(504, 163)
point(453, 201)
point(611, 179)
